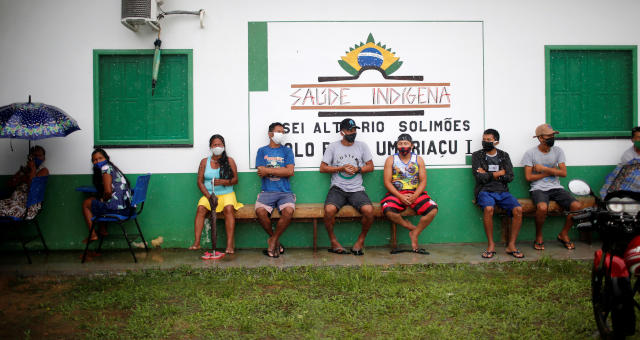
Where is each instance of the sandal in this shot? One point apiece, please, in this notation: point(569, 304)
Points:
point(420, 251)
point(516, 253)
point(538, 246)
point(488, 254)
point(269, 253)
point(358, 252)
point(339, 251)
point(567, 244)
point(216, 255)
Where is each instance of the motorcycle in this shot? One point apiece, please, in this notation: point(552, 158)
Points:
point(616, 266)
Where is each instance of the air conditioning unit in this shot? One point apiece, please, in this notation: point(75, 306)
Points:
point(136, 13)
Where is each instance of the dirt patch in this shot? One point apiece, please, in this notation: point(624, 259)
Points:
point(28, 308)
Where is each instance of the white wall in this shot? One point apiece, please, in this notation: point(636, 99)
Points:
point(47, 52)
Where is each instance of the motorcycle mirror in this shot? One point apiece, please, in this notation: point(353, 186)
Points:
point(579, 187)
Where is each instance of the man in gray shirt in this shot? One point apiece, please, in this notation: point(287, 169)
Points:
point(346, 160)
point(543, 165)
point(632, 152)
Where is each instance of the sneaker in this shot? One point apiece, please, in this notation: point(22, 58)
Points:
point(216, 255)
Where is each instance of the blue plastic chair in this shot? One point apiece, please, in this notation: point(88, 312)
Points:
point(35, 196)
point(137, 204)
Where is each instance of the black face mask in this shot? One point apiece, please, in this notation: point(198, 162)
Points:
point(550, 141)
point(350, 138)
point(487, 146)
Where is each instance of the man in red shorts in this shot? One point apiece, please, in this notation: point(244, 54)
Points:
point(405, 178)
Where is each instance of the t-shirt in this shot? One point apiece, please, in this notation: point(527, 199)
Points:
point(278, 157)
point(550, 159)
point(338, 154)
point(493, 163)
point(628, 155)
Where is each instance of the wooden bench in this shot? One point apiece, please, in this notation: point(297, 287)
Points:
point(312, 212)
point(529, 210)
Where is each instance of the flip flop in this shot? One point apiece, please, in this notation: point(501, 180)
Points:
point(194, 248)
point(339, 251)
point(216, 255)
point(420, 251)
point(282, 249)
point(516, 253)
point(567, 244)
point(358, 252)
point(488, 254)
point(268, 253)
point(538, 246)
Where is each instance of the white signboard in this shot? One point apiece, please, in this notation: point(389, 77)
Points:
point(421, 78)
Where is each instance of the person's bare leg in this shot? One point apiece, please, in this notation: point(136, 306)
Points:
point(487, 220)
point(229, 226)
point(367, 220)
point(564, 234)
point(198, 225)
point(264, 220)
point(86, 212)
point(422, 225)
point(541, 216)
point(330, 212)
point(285, 219)
point(397, 219)
point(516, 223)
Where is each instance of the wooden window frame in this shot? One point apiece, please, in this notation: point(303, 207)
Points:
point(146, 143)
point(593, 134)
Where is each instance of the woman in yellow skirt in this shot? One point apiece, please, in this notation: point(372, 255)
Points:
point(217, 174)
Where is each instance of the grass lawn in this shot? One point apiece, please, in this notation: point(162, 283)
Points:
point(547, 299)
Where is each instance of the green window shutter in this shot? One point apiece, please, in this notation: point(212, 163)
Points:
point(127, 115)
point(591, 90)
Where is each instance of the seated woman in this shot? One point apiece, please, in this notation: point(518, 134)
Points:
point(114, 192)
point(19, 185)
point(222, 172)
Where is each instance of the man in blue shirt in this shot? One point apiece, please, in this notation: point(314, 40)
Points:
point(275, 163)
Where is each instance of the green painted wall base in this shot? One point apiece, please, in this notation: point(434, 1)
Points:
point(171, 205)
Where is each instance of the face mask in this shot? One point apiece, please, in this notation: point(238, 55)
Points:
point(217, 151)
point(550, 141)
point(278, 137)
point(404, 150)
point(487, 146)
point(99, 165)
point(38, 162)
point(636, 144)
point(350, 138)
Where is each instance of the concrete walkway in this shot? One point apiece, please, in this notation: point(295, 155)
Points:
point(68, 262)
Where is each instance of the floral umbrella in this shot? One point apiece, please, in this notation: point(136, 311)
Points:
point(34, 121)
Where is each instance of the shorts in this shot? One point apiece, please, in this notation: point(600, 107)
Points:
point(340, 198)
point(223, 201)
point(561, 196)
point(504, 200)
point(270, 200)
point(422, 205)
point(99, 208)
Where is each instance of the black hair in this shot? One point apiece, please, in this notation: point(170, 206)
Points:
point(97, 173)
point(37, 148)
point(634, 130)
point(495, 133)
point(272, 126)
point(225, 169)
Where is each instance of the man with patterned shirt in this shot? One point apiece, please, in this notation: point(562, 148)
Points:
point(405, 178)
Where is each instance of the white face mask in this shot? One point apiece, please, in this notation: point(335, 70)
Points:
point(278, 137)
point(217, 151)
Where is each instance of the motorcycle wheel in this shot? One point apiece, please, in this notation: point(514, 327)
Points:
point(615, 316)
point(601, 300)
